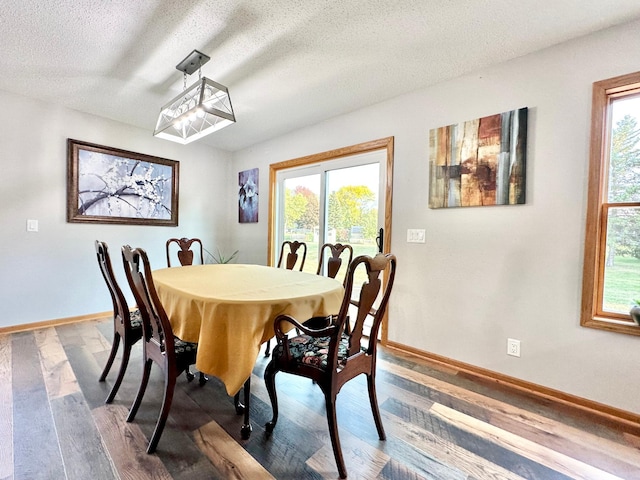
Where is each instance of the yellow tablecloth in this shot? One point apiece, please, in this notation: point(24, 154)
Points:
point(229, 310)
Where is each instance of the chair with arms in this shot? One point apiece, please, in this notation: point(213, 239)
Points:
point(160, 346)
point(331, 356)
point(186, 253)
point(335, 261)
point(292, 254)
point(127, 325)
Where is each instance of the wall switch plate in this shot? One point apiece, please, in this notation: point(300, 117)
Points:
point(32, 225)
point(415, 235)
point(513, 347)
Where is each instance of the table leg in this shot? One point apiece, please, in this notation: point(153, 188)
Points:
point(245, 431)
point(237, 404)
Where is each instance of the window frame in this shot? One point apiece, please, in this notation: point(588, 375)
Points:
point(592, 316)
point(322, 169)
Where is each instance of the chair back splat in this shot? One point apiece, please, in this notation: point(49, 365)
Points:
point(335, 260)
point(330, 351)
point(170, 353)
point(186, 252)
point(127, 325)
point(292, 254)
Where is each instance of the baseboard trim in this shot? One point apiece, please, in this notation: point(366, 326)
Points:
point(53, 323)
point(622, 419)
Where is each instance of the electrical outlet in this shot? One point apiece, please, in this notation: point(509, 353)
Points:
point(513, 347)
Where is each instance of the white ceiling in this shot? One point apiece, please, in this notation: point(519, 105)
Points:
point(287, 63)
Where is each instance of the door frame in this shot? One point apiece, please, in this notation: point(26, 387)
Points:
point(373, 145)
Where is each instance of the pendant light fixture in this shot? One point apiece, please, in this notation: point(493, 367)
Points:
point(199, 110)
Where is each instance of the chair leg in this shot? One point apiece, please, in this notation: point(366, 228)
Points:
point(270, 383)
point(330, 401)
point(267, 350)
point(202, 378)
point(112, 356)
point(126, 353)
point(167, 399)
point(143, 386)
point(373, 399)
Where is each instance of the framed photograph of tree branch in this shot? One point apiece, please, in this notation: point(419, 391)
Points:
point(109, 185)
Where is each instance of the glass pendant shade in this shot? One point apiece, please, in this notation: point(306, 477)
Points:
point(201, 109)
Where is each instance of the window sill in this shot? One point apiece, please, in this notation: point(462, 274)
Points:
point(612, 325)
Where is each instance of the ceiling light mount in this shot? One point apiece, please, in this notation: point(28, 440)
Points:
point(199, 110)
point(194, 61)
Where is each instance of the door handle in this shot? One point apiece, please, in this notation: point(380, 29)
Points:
point(380, 240)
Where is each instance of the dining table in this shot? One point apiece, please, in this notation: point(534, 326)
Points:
point(229, 311)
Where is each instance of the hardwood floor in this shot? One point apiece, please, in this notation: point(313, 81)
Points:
point(440, 424)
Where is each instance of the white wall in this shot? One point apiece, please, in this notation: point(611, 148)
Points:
point(53, 273)
point(488, 273)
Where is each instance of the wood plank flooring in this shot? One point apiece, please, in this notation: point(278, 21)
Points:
point(440, 424)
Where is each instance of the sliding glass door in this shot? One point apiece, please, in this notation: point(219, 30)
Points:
point(337, 201)
point(339, 196)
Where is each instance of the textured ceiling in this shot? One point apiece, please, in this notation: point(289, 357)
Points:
point(287, 63)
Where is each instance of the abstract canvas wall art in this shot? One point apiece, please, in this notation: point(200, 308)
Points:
point(248, 196)
point(479, 162)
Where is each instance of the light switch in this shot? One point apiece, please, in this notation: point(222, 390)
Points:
point(32, 225)
point(415, 235)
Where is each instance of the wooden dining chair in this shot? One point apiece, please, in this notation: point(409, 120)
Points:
point(186, 252)
point(331, 356)
point(291, 248)
point(127, 325)
point(160, 346)
point(338, 252)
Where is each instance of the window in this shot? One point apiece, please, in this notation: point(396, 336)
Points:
point(611, 280)
point(328, 202)
point(305, 192)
